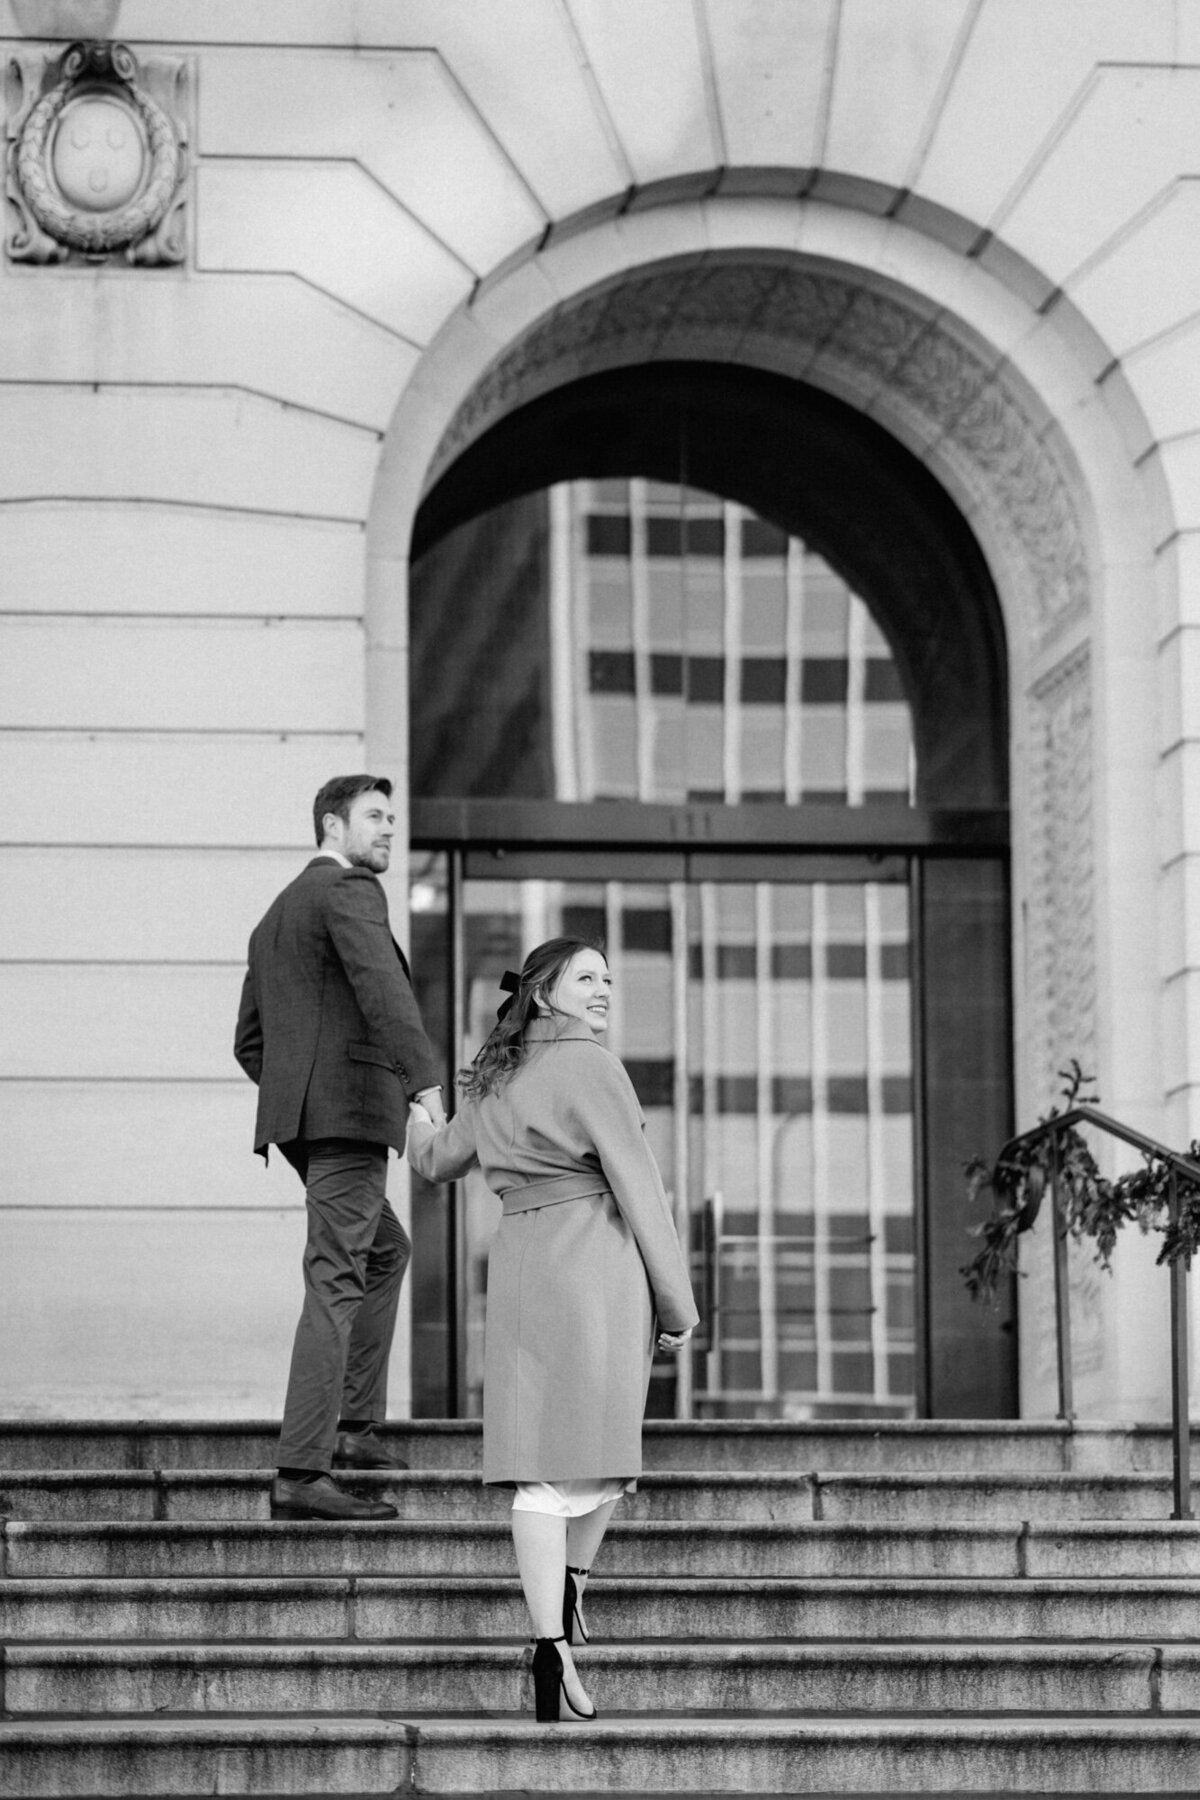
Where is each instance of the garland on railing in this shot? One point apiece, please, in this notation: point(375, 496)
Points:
point(1090, 1205)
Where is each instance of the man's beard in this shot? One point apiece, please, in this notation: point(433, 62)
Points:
point(373, 859)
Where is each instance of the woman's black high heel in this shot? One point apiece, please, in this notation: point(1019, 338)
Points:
point(548, 1683)
point(572, 1617)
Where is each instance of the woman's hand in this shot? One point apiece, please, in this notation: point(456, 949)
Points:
point(674, 1340)
point(420, 1113)
point(430, 1102)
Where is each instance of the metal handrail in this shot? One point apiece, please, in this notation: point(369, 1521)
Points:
point(1035, 1187)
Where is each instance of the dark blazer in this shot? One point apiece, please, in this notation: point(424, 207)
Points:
point(328, 1026)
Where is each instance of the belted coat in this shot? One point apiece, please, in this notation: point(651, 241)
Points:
point(584, 1257)
point(328, 1025)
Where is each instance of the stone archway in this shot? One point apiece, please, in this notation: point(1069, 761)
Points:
point(1002, 405)
point(976, 421)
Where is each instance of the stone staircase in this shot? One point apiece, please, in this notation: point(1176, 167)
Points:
point(819, 1609)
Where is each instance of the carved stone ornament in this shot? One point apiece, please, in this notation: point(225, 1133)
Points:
point(879, 350)
point(96, 157)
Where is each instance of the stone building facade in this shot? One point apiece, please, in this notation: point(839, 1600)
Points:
point(372, 232)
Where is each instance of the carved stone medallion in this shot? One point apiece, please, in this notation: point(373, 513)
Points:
point(96, 157)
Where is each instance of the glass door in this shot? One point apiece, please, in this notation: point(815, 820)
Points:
point(765, 1021)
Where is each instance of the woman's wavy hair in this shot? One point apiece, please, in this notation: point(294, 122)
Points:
point(505, 1050)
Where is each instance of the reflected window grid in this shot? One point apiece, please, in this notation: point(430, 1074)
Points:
point(818, 1291)
point(714, 657)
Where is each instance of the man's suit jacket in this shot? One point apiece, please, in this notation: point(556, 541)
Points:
point(328, 1025)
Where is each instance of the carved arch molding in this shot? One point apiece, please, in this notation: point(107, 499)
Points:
point(918, 373)
point(913, 370)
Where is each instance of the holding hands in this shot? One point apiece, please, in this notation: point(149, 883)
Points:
point(428, 1107)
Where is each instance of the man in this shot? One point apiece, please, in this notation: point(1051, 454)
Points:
point(329, 1030)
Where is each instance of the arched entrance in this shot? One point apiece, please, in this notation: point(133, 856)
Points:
point(1004, 406)
point(801, 926)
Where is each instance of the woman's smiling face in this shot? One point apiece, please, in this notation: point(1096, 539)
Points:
point(583, 989)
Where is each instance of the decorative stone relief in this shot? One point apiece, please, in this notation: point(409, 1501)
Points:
point(1060, 949)
point(877, 334)
point(834, 333)
point(799, 308)
point(1061, 979)
point(96, 156)
point(940, 376)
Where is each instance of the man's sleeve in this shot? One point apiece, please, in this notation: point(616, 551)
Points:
point(356, 915)
point(248, 1038)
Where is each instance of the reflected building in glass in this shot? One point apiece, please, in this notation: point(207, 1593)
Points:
point(615, 647)
point(630, 640)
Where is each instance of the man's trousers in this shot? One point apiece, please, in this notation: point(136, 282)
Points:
point(354, 1263)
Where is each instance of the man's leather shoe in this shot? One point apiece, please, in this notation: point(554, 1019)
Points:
point(322, 1499)
point(363, 1450)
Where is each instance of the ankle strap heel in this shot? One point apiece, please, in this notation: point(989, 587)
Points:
point(549, 1688)
point(572, 1622)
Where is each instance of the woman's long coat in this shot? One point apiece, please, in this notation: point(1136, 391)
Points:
point(584, 1257)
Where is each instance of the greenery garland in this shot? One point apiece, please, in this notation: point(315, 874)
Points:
point(1090, 1206)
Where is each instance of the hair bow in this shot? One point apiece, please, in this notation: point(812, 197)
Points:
point(510, 984)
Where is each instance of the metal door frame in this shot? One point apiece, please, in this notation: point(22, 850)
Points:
point(736, 860)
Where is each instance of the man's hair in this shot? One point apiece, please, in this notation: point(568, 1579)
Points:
point(339, 795)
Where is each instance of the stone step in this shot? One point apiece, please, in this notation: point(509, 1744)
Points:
point(660, 1754)
point(1124, 1548)
point(189, 1495)
point(758, 1794)
point(988, 1446)
point(1109, 1677)
point(457, 1494)
point(966, 1497)
point(433, 1547)
point(210, 1444)
point(438, 1609)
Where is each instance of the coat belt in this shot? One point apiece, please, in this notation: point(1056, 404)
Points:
point(577, 1185)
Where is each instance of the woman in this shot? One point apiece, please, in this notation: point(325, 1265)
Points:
point(584, 1257)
